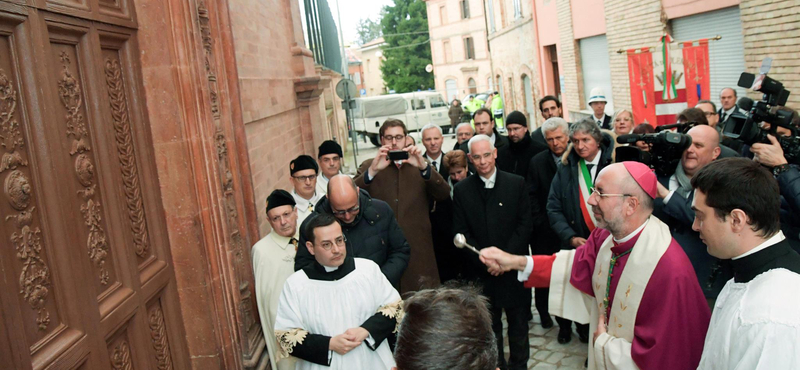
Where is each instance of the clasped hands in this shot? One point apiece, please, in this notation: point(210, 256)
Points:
point(345, 342)
point(499, 261)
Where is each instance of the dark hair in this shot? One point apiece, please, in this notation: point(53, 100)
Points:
point(713, 106)
point(315, 221)
point(392, 122)
point(547, 99)
point(446, 328)
point(643, 128)
point(740, 183)
point(483, 110)
point(693, 115)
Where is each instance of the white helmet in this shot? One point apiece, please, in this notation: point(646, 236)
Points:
point(597, 95)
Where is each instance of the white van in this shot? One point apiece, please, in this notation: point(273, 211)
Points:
point(415, 109)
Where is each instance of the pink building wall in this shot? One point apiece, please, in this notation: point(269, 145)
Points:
point(681, 8)
point(588, 18)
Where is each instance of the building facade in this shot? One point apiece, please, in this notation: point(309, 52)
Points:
point(371, 58)
point(459, 48)
point(137, 154)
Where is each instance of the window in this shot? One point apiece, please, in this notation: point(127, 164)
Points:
point(448, 53)
point(490, 3)
point(473, 89)
point(357, 78)
point(417, 103)
point(464, 9)
point(452, 89)
point(556, 80)
point(469, 48)
point(437, 101)
point(517, 9)
point(368, 66)
point(442, 15)
point(526, 85)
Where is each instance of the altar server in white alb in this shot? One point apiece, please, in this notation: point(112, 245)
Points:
point(273, 263)
point(756, 320)
point(337, 312)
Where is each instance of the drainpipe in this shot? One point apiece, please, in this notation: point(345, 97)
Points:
point(489, 47)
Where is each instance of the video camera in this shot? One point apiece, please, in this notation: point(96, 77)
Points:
point(666, 149)
point(747, 129)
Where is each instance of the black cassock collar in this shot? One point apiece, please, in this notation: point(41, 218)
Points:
point(317, 271)
point(779, 255)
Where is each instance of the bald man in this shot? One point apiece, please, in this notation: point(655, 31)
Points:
point(631, 281)
point(368, 224)
point(676, 210)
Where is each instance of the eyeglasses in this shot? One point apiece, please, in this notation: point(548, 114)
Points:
point(391, 138)
point(352, 210)
point(709, 114)
point(304, 178)
point(476, 157)
point(601, 195)
point(340, 242)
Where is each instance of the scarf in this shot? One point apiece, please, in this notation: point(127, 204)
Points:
point(684, 182)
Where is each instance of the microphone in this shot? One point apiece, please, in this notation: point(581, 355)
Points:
point(745, 103)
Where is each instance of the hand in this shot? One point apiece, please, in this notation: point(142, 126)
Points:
point(662, 191)
point(601, 324)
point(499, 261)
point(770, 155)
point(380, 162)
point(358, 333)
point(343, 343)
point(577, 241)
point(415, 158)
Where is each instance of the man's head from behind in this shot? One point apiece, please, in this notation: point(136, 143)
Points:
point(281, 213)
point(464, 132)
point(393, 133)
point(446, 328)
point(343, 198)
point(704, 149)
point(325, 240)
point(330, 158)
point(623, 197)
point(736, 200)
point(484, 122)
point(550, 107)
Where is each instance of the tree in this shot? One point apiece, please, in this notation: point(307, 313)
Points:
point(407, 49)
point(367, 30)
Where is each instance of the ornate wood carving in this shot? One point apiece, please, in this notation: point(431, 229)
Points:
point(158, 335)
point(127, 159)
point(121, 357)
point(69, 91)
point(34, 279)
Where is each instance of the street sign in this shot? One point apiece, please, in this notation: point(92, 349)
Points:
point(363, 92)
point(429, 68)
point(346, 89)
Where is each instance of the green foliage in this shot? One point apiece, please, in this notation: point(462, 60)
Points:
point(407, 49)
point(368, 30)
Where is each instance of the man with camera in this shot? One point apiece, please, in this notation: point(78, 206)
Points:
point(756, 325)
point(676, 209)
point(404, 179)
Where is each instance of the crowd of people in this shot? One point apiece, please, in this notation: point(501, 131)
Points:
point(696, 269)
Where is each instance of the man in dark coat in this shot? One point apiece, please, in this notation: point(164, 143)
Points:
point(569, 214)
point(521, 147)
point(368, 224)
point(484, 125)
point(541, 171)
point(491, 209)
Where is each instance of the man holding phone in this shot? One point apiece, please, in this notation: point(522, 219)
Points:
point(403, 178)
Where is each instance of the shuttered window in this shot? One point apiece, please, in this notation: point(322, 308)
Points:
point(595, 68)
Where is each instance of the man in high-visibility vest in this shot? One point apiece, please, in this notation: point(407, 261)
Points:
point(497, 110)
point(473, 105)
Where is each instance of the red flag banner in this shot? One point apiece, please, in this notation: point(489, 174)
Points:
point(640, 74)
point(698, 78)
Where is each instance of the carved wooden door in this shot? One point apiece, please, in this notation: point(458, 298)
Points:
point(87, 280)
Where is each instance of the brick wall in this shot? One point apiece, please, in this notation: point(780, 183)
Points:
point(569, 55)
point(629, 24)
point(514, 55)
point(772, 28)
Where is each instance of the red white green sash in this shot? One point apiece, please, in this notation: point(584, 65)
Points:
point(585, 184)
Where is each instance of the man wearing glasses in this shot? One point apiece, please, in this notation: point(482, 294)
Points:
point(336, 313)
point(631, 280)
point(406, 185)
point(370, 227)
point(304, 170)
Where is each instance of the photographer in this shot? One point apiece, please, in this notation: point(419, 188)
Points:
point(676, 208)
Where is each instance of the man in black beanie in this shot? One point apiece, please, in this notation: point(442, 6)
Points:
point(329, 156)
point(304, 172)
point(521, 147)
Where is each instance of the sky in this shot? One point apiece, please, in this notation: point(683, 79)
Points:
point(354, 10)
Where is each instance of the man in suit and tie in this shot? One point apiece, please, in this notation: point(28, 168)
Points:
point(727, 99)
point(441, 212)
point(541, 171)
point(491, 208)
point(597, 101)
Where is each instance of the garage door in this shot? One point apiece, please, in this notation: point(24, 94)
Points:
point(595, 68)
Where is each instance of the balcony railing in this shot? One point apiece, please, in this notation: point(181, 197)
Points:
point(322, 37)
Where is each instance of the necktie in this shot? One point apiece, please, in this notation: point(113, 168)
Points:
point(589, 167)
point(600, 123)
point(724, 116)
point(293, 242)
point(434, 166)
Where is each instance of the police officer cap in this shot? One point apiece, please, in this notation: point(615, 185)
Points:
point(279, 197)
point(516, 118)
point(303, 162)
point(329, 147)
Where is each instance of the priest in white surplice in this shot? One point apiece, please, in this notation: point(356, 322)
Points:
point(756, 320)
point(273, 263)
point(337, 312)
point(631, 281)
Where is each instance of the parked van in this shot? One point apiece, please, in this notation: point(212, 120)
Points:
point(415, 109)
